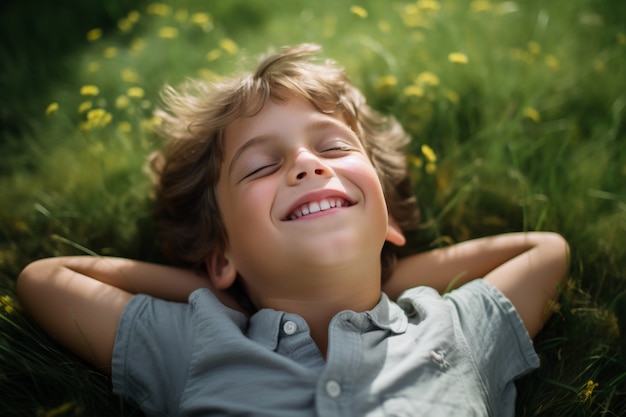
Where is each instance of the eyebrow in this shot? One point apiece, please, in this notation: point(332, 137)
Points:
point(264, 138)
point(329, 123)
point(252, 143)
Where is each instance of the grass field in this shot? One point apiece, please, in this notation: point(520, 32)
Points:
point(517, 112)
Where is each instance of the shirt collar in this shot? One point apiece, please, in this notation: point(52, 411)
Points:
point(264, 326)
point(388, 315)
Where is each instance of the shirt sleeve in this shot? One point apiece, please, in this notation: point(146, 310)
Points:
point(151, 354)
point(497, 339)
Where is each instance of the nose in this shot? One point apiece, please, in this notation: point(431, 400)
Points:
point(307, 165)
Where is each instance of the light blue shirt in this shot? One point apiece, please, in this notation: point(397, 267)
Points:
point(428, 355)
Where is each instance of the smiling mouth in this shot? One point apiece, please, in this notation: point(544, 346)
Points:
point(318, 206)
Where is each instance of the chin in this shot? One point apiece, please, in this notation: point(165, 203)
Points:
point(330, 254)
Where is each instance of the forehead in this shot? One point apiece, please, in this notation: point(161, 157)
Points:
point(280, 117)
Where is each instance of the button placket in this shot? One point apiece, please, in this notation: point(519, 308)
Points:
point(337, 382)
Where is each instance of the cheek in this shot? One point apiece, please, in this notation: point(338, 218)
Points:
point(247, 207)
point(363, 175)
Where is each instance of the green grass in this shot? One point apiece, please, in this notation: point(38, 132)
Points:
point(529, 133)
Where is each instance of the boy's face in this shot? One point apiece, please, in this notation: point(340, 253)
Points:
point(299, 197)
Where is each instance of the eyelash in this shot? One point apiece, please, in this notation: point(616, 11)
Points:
point(339, 147)
point(257, 170)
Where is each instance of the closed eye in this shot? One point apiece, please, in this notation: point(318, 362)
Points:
point(261, 171)
point(338, 148)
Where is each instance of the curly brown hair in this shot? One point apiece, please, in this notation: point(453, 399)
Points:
point(194, 120)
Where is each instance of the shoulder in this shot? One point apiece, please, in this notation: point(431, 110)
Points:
point(480, 317)
point(482, 325)
point(156, 341)
point(168, 323)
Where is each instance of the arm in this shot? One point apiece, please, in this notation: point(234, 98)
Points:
point(79, 300)
point(526, 267)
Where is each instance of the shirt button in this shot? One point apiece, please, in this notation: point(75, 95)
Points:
point(290, 327)
point(333, 389)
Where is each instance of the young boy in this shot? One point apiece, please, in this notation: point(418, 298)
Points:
point(285, 184)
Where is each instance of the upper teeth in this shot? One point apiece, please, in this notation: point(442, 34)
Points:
point(315, 206)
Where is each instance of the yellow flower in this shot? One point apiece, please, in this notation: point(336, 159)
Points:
point(133, 16)
point(478, 6)
point(412, 17)
point(520, 54)
point(457, 58)
point(430, 5)
point(135, 92)
point(229, 46)
point(125, 127)
point(94, 34)
point(84, 106)
point(168, 32)
point(97, 148)
point(416, 161)
point(427, 78)
point(21, 226)
point(431, 167)
point(96, 114)
point(414, 90)
point(52, 108)
point(384, 26)
point(105, 118)
point(359, 11)
point(428, 153)
point(150, 124)
point(60, 410)
point(621, 38)
point(587, 391)
point(208, 74)
point(129, 75)
point(386, 82)
point(137, 45)
point(8, 304)
point(124, 24)
point(452, 96)
point(110, 52)
point(89, 90)
point(181, 15)
point(122, 102)
point(552, 62)
point(96, 118)
point(599, 65)
point(203, 20)
point(214, 54)
point(93, 66)
point(159, 9)
point(532, 114)
point(534, 47)
point(200, 19)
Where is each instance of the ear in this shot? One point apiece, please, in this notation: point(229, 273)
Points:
point(394, 233)
point(221, 269)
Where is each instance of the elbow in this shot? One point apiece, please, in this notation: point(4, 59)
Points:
point(559, 248)
point(31, 281)
point(553, 254)
point(27, 283)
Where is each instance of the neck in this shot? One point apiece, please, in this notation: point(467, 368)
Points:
point(319, 308)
